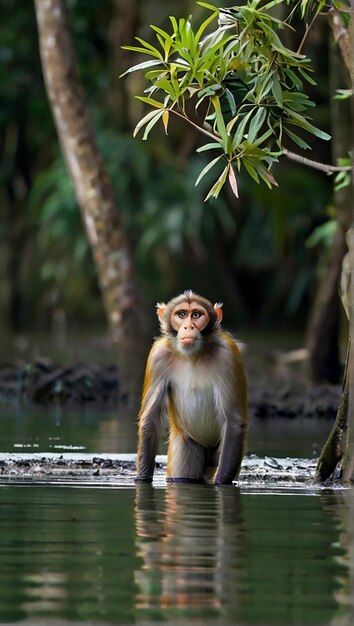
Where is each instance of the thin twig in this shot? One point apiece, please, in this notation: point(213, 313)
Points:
point(308, 28)
point(200, 128)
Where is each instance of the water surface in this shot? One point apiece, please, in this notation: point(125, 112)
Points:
point(178, 554)
point(182, 554)
point(97, 430)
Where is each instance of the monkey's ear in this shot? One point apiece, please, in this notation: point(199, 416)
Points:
point(160, 310)
point(218, 311)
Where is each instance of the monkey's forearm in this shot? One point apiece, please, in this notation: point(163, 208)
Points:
point(149, 439)
point(231, 454)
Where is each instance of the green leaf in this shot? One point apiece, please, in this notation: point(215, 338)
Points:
point(297, 82)
point(154, 103)
point(174, 24)
point(266, 175)
point(341, 182)
point(140, 66)
point(163, 34)
point(256, 124)
point(206, 5)
point(148, 45)
point(205, 24)
point(296, 139)
point(277, 92)
point(297, 101)
point(208, 167)
point(217, 187)
point(307, 77)
point(209, 146)
point(264, 86)
point(300, 120)
point(343, 94)
point(152, 123)
point(166, 85)
point(271, 4)
point(145, 120)
point(322, 233)
point(250, 169)
point(241, 129)
point(220, 122)
point(263, 137)
point(231, 101)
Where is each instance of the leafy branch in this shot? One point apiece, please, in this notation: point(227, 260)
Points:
point(238, 84)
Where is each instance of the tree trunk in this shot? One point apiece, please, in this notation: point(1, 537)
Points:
point(348, 461)
point(124, 25)
point(94, 195)
point(331, 453)
point(323, 327)
point(322, 334)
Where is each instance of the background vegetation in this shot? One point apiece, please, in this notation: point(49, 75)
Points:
point(261, 254)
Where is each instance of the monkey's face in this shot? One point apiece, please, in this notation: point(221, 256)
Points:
point(189, 319)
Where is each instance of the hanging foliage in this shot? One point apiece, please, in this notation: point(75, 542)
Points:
point(239, 85)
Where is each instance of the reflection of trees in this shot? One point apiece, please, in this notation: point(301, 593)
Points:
point(189, 539)
point(292, 569)
point(116, 435)
point(341, 507)
point(66, 554)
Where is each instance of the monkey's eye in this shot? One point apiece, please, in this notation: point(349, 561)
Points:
point(181, 314)
point(196, 315)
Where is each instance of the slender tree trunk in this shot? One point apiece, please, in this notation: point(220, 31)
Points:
point(332, 453)
point(348, 462)
point(94, 194)
point(323, 327)
point(122, 30)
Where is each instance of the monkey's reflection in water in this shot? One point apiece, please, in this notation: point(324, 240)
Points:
point(190, 539)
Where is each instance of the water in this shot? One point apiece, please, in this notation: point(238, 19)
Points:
point(183, 554)
point(186, 555)
point(58, 429)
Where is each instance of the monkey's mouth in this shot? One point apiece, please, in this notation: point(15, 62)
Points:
point(189, 340)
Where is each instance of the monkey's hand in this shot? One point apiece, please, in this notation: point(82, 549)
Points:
point(139, 479)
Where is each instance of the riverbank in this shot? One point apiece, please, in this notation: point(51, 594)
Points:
point(118, 470)
point(43, 382)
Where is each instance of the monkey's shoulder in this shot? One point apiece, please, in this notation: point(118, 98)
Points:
point(161, 347)
point(161, 354)
point(230, 358)
point(227, 342)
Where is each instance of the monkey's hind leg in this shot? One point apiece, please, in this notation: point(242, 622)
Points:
point(185, 460)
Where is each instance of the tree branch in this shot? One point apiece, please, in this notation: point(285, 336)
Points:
point(323, 167)
point(201, 129)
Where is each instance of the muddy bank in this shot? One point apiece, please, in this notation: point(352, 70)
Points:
point(118, 470)
point(294, 400)
point(45, 382)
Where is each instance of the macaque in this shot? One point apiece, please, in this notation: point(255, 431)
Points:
point(195, 378)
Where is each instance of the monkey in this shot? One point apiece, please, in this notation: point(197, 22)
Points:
point(194, 380)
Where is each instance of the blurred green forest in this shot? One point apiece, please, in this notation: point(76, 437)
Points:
point(261, 255)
